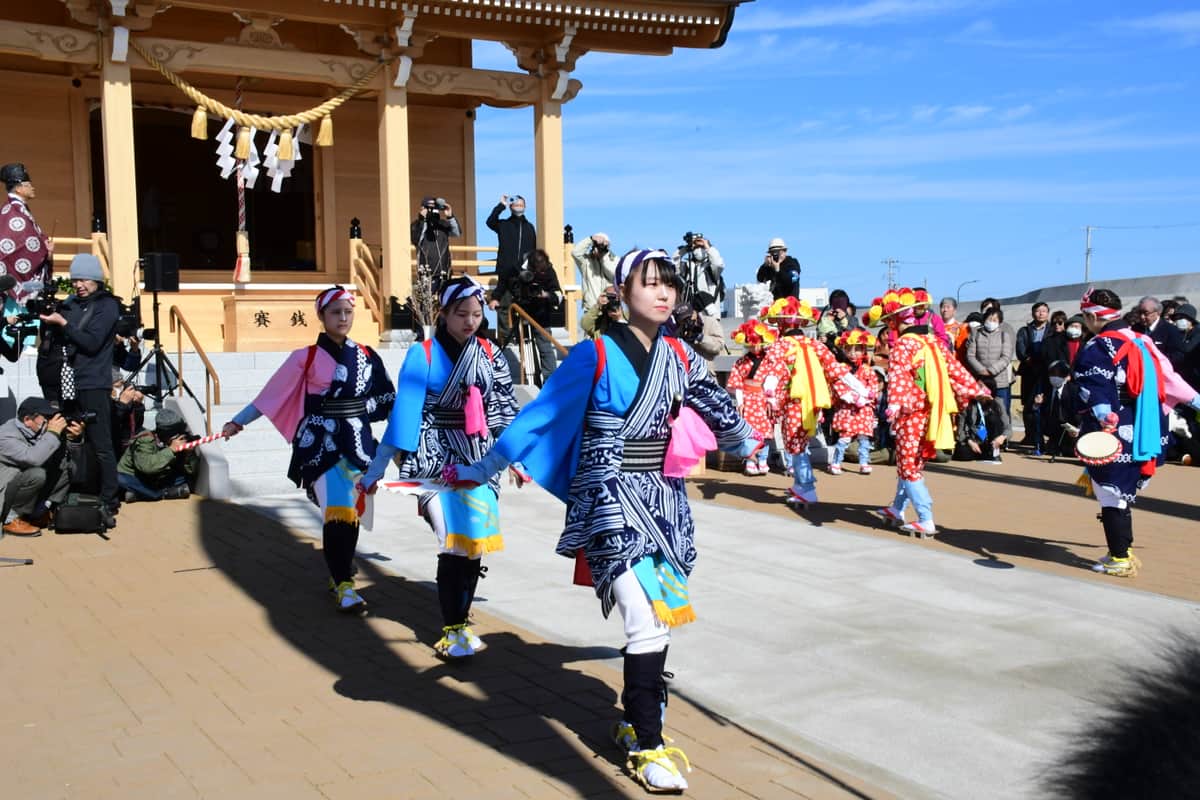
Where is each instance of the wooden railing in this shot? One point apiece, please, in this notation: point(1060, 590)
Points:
point(366, 276)
point(96, 244)
point(212, 382)
point(524, 315)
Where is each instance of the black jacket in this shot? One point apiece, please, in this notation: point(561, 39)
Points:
point(1167, 338)
point(1028, 351)
point(432, 241)
point(517, 239)
point(785, 281)
point(88, 338)
point(1056, 347)
point(527, 294)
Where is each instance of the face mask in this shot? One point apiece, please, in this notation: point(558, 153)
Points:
point(1183, 324)
point(992, 326)
point(1057, 382)
point(1074, 333)
point(517, 213)
point(973, 325)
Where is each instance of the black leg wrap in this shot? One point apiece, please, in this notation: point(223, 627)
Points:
point(338, 541)
point(456, 579)
point(1118, 530)
point(643, 694)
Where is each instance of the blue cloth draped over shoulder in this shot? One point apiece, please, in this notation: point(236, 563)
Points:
point(418, 375)
point(547, 434)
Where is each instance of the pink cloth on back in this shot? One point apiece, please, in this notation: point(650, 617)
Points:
point(690, 440)
point(282, 399)
point(476, 418)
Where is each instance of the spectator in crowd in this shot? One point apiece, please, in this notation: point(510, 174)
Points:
point(84, 331)
point(536, 289)
point(1064, 344)
point(925, 316)
point(982, 430)
point(431, 232)
point(127, 348)
point(836, 318)
point(597, 266)
point(1166, 337)
point(990, 352)
point(700, 268)
point(129, 412)
point(607, 311)
point(1030, 367)
point(158, 465)
point(25, 251)
point(1059, 410)
point(972, 323)
point(1189, 345)
point(1169, 307)
point(988, 302)
point(780, 271)
point(702, 332)
point(516, 239)
point(34, 465)
point(949, 309)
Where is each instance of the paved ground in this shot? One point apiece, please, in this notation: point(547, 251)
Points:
point(195, 655)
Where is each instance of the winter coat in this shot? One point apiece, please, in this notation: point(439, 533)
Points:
point(517, 238)
point(990, 355)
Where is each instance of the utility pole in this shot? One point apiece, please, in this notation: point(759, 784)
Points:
point(891, 271)
point(1087, 255)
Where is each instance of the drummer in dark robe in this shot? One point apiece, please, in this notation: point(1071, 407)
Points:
point(25, 250)
point(1126, 388)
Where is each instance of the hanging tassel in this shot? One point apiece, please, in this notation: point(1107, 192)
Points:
point(284, 151)
point(241, 150)
point(325, 135)
point(200, 123)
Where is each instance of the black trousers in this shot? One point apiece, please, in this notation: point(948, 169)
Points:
point(98, 435)
point(457, 579)
point(1118, 530)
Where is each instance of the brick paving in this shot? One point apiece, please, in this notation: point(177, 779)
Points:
point(195, 654)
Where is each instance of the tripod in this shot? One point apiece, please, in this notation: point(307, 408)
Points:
point(162, 365)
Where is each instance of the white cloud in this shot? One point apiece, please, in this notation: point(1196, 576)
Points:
point(874, 12)
point(1015, 113)
point(1183, 24)
point(966, 113)
point(925, 113)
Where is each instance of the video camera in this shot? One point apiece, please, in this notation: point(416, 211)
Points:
point(526, 288)
point(86, 417)
point(688, 325)
point(690, 238)
point(43, 303)
point(438, 203)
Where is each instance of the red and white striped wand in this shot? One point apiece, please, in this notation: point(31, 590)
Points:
point(202, 440)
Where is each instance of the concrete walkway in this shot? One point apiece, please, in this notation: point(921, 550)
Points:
point(926, 673)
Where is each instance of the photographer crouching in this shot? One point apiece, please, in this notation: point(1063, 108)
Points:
point(606, 312)
point(158, 464)
point(702, 332)
point(77, 341)
point(535, 289)
point(34, 465)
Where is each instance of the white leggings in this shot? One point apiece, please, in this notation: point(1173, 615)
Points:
point(1109, 497)
point(644, 633)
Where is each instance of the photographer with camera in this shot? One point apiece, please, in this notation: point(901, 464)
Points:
point(158, 465)
point(516, 239)
point(780, 270)
point(77, 343)
point(431, 232)
point(702, 332)
point(35, 465)
point(604, 314)
point(700, 268)
point(597, 265)
point(24, 250)
point(535, 289)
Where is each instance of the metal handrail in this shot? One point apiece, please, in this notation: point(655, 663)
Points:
point(212, 382)
point(521, 334)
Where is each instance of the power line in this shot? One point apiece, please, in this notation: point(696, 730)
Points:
point(1143, 227)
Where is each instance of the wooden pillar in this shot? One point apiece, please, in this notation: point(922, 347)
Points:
point(120, 182)
point(397, 268)
point(548, 168)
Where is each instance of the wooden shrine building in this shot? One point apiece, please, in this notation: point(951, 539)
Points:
point(94, 108)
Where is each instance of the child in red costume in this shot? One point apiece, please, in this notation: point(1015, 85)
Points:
point(926, 385)
point(753, 382)
point(856, 419)
point(814, 379)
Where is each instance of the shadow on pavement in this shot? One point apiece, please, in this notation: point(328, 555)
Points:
point(511, 693)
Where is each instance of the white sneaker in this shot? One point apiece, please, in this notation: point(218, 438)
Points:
point(474, 641)
point(835, 469)
point(890, 516)
point(655, 770)
point(924, 530)
point(750, 468)
point(865, 469)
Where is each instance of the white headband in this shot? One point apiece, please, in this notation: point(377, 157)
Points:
point(631, 261)
point(461, 289)
point(331, 295)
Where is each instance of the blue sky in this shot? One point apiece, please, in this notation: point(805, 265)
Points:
point(970, 140)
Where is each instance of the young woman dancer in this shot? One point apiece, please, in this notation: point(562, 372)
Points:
point(1126, 386)
point(753, 382)
point(856, 419)
point(597, 437)
point(453, 397)
point(926, 384)
point(323, 400)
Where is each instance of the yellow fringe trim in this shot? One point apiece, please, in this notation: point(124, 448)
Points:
point(473, 548)
point(341, 514)
point(1084, 481)
point(673, 617)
